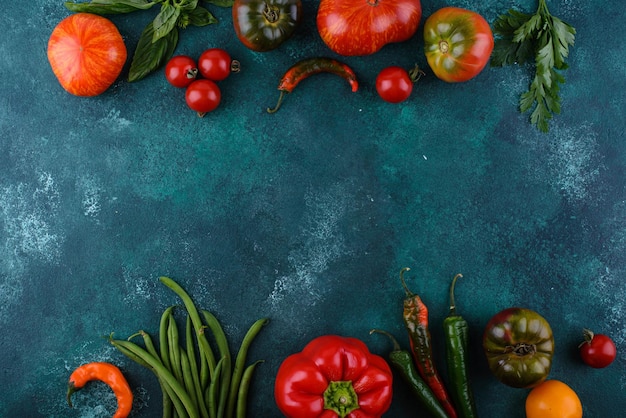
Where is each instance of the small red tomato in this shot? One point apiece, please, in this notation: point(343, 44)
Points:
point(203, 96)
point(181, 71)
point(598, 350)
point(395, 84)
point(216, 64)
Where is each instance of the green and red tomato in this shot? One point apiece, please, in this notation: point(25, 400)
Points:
point(457, 43)
point(362, 27)
point(86, 53)
point(519, 346)
point(263, 25)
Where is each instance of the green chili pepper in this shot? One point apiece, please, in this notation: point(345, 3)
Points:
point(457, 336)
point(402, 361)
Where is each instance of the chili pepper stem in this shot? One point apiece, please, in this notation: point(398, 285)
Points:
point(396, 344)
point(406, 288)
point(280, 100)
point(452, 302)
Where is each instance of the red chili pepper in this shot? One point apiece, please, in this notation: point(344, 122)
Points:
point(307, 67)
point(332, 377)
point(109, 374)
point(415, 316)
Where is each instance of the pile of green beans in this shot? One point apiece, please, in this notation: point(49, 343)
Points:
point(195, 382)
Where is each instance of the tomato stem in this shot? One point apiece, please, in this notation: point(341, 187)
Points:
point(416, 73)
point(271, 13)
point(444, 47)
point(235, 66)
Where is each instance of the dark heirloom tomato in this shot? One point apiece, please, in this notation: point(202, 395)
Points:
point(262, 25)
point(519, 346)
point(362, 27)
point(458, 43)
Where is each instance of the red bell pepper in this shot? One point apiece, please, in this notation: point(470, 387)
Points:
point(332, 377)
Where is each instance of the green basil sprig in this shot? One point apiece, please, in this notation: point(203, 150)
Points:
point(160, 37)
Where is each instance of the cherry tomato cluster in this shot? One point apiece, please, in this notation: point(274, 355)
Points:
point(200, 78)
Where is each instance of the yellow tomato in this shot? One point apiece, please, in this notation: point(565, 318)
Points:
point(553, 399)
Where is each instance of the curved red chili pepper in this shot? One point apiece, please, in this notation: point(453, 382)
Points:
point(306, 68)
point(415, 316)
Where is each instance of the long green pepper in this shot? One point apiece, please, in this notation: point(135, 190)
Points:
point(457, 337)
point(402, 361)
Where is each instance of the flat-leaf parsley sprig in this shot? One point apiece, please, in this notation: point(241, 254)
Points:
point(544, 38)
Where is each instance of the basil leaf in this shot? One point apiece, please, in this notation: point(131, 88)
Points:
point(165, 21)
point(201, 17)
point(221, 3)
point(151, 55)
point(186, 5)
point(103, 7)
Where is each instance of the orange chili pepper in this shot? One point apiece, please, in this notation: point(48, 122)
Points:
point(109, 374)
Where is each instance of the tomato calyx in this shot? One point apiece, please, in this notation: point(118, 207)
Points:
point(444, 46)
point(587, 336)
point(521, 349)
point(416, 73)
point(341, 398)
point(271, 13)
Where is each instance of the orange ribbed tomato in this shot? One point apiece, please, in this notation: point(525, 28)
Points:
point(553, 399)
point(86, 53)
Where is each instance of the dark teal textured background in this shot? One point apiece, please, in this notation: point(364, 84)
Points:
point(306, 216)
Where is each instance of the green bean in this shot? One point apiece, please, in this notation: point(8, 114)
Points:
point(163, 345)
point(212, 391)
point(240, 363)
point(195, 319)
point(187, 378)
point(167, 400)
point(174, 349)
point(193, 366)
point(159, 369)
point(242, 395)
point(222, 344)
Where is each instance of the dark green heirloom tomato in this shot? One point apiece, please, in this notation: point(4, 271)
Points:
point(262, 25)
point(519, 345)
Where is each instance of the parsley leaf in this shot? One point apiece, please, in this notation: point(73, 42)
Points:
point(544, 39)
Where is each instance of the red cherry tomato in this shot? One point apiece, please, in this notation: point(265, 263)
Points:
point(203, 96)
point(181, 71)
point(395, 84)
point(598, 350)
point(216, 64)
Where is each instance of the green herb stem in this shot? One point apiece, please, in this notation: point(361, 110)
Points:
point(544, 39)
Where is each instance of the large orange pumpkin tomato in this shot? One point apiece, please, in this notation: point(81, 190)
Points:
point(362, 27)
point(86, 53)
point(553, 399)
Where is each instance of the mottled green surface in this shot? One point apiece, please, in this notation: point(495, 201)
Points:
point(307, 215)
